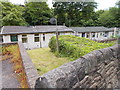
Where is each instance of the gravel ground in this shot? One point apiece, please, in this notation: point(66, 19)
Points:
point(9, 79)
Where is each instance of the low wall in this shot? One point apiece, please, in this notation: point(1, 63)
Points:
point(106, 40)
point(31, 72)
point(98, 69)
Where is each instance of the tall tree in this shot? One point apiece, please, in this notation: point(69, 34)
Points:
point(37, 13)
point(73, 13)
point(12, 14)
point(110, 18)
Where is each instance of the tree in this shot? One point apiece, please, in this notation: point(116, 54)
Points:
point(110, 18)
point(73, 13)
point(37, 13)
point(12, 14)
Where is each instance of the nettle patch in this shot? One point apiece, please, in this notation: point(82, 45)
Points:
point(12, 53)
point(75, 47)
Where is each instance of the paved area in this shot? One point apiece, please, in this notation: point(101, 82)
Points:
point(9, 79)
point(0, 74)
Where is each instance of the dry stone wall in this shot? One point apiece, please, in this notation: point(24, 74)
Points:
point(98, 69)
point(31, 72)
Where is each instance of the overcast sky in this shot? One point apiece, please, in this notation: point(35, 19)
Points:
point(102, 4)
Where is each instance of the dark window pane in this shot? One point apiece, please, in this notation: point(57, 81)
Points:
point(87, 35)
point(14, 38)
point(24, 35)
point(43, 37)
point(1, 39)
point(36, 34)
point(36, 39)
point(93, 35)
point(24, 40)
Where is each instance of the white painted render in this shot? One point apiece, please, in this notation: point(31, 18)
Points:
point(98, 35)
point(6, 39)
point(32, 44)
point(30, 39)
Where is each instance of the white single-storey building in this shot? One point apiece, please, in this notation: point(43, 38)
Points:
point(95, 33)
point(39, 36)
point(32, 36)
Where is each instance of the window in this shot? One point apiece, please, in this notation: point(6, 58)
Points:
point(97, 35)
point(43, 37)
point(106, 34)
point(24, 38)
point(59, 33)
point(87, 35)
point(36, 38)
point(112, 33)
point(93, 35)
point(14, 38)
point(1, 38)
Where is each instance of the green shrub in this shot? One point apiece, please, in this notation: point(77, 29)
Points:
point(75, 47)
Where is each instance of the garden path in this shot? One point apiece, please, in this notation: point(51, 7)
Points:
point(9, 79)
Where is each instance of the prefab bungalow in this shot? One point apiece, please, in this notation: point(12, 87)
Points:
point(33, 36)
point(98, 33)
point(39, 36)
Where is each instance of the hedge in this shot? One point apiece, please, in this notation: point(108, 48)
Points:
point(75, 47)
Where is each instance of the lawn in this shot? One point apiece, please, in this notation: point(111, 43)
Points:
point(44, 60)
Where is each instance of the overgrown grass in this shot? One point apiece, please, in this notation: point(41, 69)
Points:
point(44, 60)
point(75, 47)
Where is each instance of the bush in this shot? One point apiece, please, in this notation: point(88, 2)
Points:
point(75, 47)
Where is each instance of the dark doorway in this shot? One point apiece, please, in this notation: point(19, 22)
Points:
point(83, 34)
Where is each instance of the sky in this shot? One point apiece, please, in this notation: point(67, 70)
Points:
point(102, 4)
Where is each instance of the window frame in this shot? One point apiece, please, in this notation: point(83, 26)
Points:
point(36, 36)
point(11, 37)
point(24, 36)
point(44, 38)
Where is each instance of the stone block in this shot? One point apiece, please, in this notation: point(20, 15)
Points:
point(79, 67)
point(107, 53)
point(115, 50)
point(97, 56)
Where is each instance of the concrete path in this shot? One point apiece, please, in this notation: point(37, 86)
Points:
point(0, 73)
point(9, 79)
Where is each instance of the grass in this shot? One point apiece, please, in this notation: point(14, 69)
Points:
point(44, 60)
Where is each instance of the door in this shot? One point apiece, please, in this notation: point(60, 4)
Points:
point(83, 34)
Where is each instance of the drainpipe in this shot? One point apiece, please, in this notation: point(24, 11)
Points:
point(40, 41)
point(90, 35)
